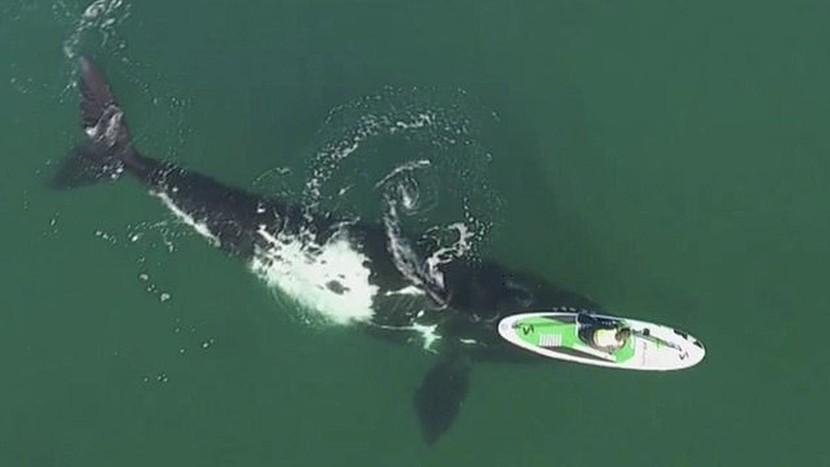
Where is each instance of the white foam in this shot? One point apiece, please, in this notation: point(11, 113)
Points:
point(331, 279)
point(100, 15)
point(200, 227)
point(427, 333)
point(444, 255)
point(99, 7)
point(420, 121)
point(408, 290)
point(412, 165)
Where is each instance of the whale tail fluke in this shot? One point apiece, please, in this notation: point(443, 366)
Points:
point(108, 143)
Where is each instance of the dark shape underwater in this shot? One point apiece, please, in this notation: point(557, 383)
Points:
point(439, 397)
point(464, 308)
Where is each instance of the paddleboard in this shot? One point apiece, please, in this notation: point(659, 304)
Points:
point(565, 335)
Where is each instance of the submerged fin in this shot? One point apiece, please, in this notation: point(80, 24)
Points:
point(438, 400)
point(108, 145)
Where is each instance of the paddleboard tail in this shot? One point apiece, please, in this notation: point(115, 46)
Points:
point(108, 146)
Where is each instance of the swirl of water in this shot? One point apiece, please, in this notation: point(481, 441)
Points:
point(413, 186)
point(419, 148)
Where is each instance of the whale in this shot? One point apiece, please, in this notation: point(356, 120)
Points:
point(367, 274)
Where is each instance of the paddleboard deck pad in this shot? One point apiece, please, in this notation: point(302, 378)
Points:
point(565, 336)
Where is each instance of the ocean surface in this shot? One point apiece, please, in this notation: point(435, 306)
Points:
point(669, 159)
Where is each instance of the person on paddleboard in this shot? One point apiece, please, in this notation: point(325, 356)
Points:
point(606, 335)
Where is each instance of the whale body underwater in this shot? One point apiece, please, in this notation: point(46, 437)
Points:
point(365, 273)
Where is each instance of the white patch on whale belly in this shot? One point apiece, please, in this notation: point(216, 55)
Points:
point(331, 279)
point(200, 227)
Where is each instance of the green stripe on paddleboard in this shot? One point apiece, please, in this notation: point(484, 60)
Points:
point(534, 330)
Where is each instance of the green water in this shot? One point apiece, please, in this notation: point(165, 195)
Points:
point(669, 159)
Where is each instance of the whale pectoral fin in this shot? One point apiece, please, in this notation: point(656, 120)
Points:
point(440, 395)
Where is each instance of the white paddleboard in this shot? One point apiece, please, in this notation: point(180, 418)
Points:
point(556, 334)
